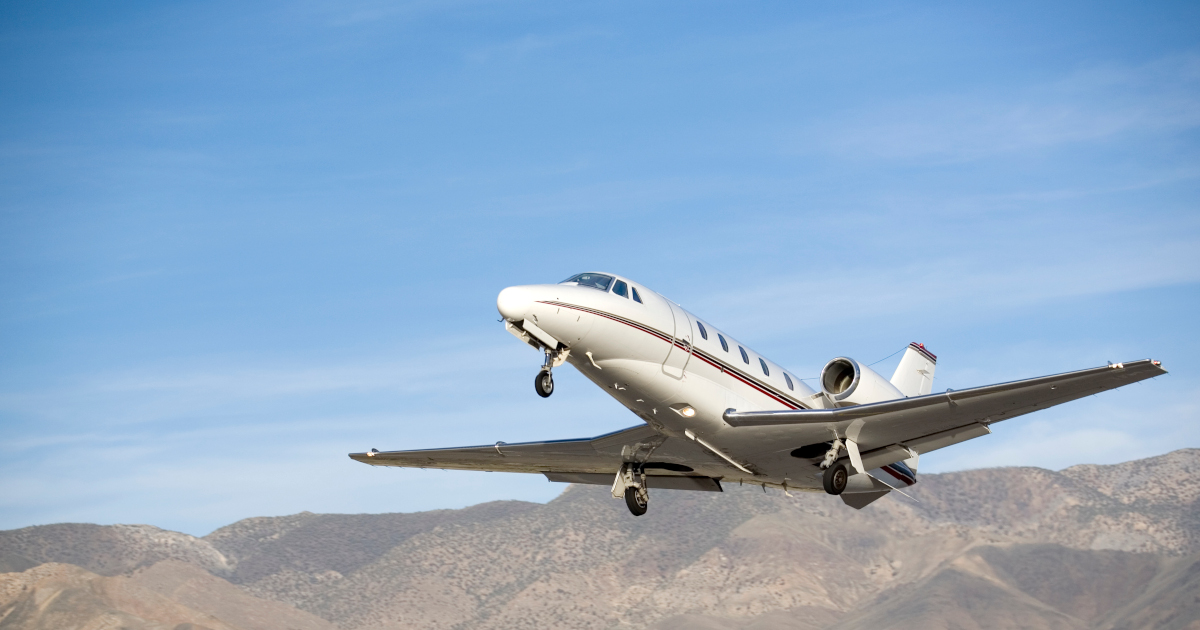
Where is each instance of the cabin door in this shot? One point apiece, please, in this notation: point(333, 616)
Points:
point(680, 353)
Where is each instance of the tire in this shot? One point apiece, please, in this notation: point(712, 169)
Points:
point(544, 384)
point(633, 499)
point(835, 478)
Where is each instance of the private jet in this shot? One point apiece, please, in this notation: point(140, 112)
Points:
point(716, 412)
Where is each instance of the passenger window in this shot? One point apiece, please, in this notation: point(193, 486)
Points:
point(621, 289)
point(724, 346)
point(636, 298)
point(703, 333)
point(764, 366)
point(745, 357)
point(789, 381)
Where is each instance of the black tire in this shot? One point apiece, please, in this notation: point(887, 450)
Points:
point(544, 384)
point(633, 499)
point(835, 478)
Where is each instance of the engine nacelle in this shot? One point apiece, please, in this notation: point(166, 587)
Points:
point(846, 383)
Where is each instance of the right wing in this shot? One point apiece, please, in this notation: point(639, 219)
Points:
point(669, 462)
point(926, 423)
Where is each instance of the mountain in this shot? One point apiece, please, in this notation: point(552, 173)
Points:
point(168, 595)
point(1102, 547)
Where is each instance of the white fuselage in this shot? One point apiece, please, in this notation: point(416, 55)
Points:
point(658, 360)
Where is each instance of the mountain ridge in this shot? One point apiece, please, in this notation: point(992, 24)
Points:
point(1092, 546)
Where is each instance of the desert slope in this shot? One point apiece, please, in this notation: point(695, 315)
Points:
point(1087, 547)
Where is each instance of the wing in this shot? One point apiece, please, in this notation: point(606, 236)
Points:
point(669, 462)
point(926, 423)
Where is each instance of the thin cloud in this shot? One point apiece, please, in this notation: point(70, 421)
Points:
point(526, 45)
point(1091, 105)
point(947, 285)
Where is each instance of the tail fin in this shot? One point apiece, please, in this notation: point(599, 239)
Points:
point(914, 375)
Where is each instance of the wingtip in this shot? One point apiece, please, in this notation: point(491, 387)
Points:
point(364, 457)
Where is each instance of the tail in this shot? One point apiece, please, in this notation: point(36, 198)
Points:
point(914, 375)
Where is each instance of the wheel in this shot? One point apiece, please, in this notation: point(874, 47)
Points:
point(544, 384)
point(835, 478)
point(637, 501)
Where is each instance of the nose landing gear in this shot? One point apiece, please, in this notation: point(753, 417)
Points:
point(543, 383)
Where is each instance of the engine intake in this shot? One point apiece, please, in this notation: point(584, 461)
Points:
point(847, 383)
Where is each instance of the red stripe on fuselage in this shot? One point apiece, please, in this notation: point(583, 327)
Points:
point(717, 364)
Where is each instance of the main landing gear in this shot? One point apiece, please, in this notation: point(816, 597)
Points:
point(836, 474)
point(631, 482)
point(543, 383)
point(835, 478)
point(637, 499)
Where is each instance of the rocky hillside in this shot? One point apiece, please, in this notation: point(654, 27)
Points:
point(1087, 547)
point(168, 595)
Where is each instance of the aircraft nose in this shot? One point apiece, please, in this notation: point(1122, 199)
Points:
point(513, 303)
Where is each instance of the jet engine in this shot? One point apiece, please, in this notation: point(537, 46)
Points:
point(847, 383)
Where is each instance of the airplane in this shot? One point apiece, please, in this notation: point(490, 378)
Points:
point(716, 412)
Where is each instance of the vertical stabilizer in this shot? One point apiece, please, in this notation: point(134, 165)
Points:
point(914, 375)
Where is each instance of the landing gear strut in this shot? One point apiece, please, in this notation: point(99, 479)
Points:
point(836, 474)
point(544, 381)
point(631, 482)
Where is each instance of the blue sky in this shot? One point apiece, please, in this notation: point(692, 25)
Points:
point(239, 240)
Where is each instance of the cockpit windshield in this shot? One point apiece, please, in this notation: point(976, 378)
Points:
point(593, 280)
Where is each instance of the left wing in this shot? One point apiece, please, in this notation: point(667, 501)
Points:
point(926, 423)
point(669, 462)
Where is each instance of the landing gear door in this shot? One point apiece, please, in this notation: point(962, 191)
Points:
point(681, 349)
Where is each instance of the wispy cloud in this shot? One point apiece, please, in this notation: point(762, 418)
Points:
point(949, 285)
point(1090, 105)
point(158, 393)
point(343, 14)
point(527, 44)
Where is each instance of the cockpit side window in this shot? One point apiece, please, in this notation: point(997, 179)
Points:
point(593, 280)
point(724, 346)
point(703, 332)
point(621, 289)
point(636, 298)
point(745, 357)
point(789, 381)
point(766, 370)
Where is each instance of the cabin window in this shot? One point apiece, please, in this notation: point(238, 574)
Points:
point(724, 346)
point(621, 289)
point(789, 381)
point(593, 280)
point(703, 333)
point(766, 371)
point(745, 357)
point(636, 298)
